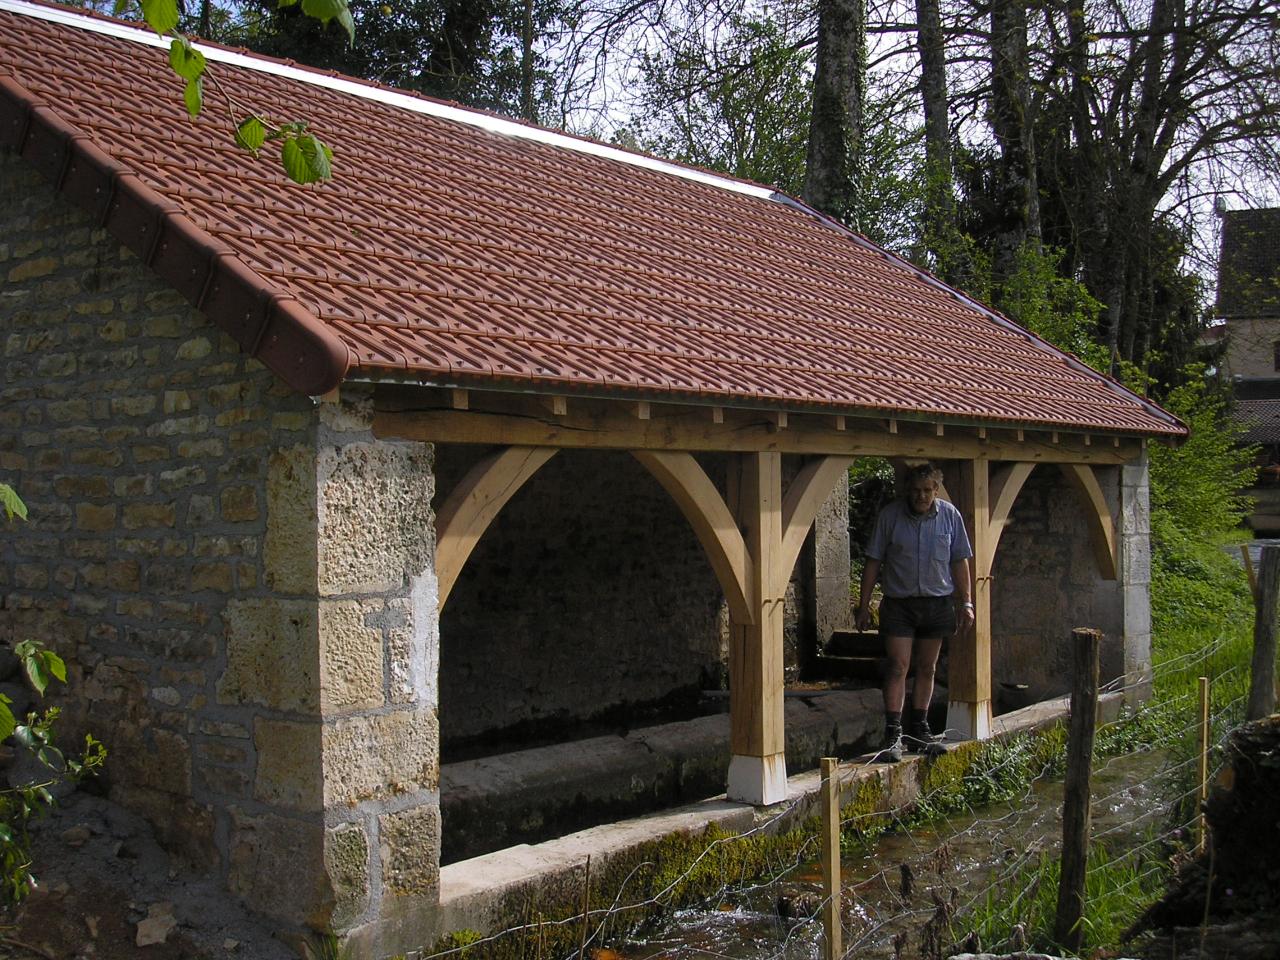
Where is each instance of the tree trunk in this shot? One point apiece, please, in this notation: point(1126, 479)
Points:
point(1018, 200)
point(527, 109)
point(832, 170)
point(942, 234)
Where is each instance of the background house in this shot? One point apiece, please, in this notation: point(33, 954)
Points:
point(1249, 306)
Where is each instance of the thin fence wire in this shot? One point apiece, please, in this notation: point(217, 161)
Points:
point(1010, 814)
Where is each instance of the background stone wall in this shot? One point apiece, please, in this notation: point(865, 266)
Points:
point(1046, 582)
point(588, 596)
point(140, 439)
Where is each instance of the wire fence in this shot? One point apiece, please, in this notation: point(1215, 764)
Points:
point(920, 902)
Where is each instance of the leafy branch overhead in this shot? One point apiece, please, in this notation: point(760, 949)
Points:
point(304, 157)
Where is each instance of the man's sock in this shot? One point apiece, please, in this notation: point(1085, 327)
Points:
point(893, 718)
point(918, 717)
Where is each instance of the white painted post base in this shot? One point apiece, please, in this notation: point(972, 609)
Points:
point(968, 720)
point(758, 780)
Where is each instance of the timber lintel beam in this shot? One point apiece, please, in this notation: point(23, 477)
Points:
point(505, 419)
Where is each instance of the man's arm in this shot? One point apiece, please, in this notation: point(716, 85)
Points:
point(870, 573)
point(964, 595)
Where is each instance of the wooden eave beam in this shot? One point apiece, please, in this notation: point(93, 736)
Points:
point(587, 423)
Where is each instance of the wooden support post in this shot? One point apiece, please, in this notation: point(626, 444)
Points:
point(832, 948)
point(1262, 686)
point(969, 670)
point(1202, 825)
point(1250, 574)
point(758, 767)
point(1068, 927)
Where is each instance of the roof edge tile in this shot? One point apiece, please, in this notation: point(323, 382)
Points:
point(268, 325)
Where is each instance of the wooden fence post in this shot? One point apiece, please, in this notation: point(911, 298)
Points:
point(1202, 824)
point(1262, 686)
point(1067, 928)
point(833, 948)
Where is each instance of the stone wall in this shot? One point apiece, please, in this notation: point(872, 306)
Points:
point(589, 597)
point(1046, 582)
point(240, 580)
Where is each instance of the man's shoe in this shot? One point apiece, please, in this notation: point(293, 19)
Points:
point(891, 752)
point(920, 740)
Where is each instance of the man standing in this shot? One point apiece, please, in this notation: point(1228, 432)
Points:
point(920, 546)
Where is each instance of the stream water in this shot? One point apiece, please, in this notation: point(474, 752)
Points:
point(963, 854)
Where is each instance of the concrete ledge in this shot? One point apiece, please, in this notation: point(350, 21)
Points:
point(488, 893)
point(530, 795)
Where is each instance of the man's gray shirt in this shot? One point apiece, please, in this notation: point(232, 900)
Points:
point(916, 551)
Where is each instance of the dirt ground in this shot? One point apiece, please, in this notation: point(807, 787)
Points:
point(108, 891)
point(1235, 886)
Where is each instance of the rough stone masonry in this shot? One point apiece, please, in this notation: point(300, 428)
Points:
point(240, 580)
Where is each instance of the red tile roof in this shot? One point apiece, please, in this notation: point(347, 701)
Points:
point(455, 247)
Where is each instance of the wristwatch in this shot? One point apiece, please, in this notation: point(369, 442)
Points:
point(968, 604)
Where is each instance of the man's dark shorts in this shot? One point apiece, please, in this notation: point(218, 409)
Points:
point(921, 618)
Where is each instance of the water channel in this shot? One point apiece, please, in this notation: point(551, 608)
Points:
point(965, 854)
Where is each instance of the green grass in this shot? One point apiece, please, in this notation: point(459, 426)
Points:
point(1117, 890)
point(1202, 625)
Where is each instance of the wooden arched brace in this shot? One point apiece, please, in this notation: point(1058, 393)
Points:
point(471, 506)
point(804, 498)
point(1005, 487)
point(1102, 531)
point(712, 522)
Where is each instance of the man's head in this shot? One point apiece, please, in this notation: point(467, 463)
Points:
point(922, 484)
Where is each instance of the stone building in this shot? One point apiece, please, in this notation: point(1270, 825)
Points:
point(1248, 306)
point(500, 432)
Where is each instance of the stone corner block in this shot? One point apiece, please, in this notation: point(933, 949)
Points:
point(377, 528)
point(379, 756)
point(272, 654)
point(289, 550)
point(277, 864)
point(346, 858)
point(409, 847)
point(350, 656)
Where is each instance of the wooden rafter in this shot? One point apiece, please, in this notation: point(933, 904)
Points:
point(713, 524)
point(471, 506)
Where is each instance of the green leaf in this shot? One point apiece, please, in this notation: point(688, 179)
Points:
point(56, 665)
point(13, 505)
point(326, 10)
point(193, 97)
point(120, 8)
point(287, 3)
point(7, 722)
point(161, 15)
point(36, 674)
point(306, 159)
point(6, 834)
point(186, 60)
point(251, 134)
